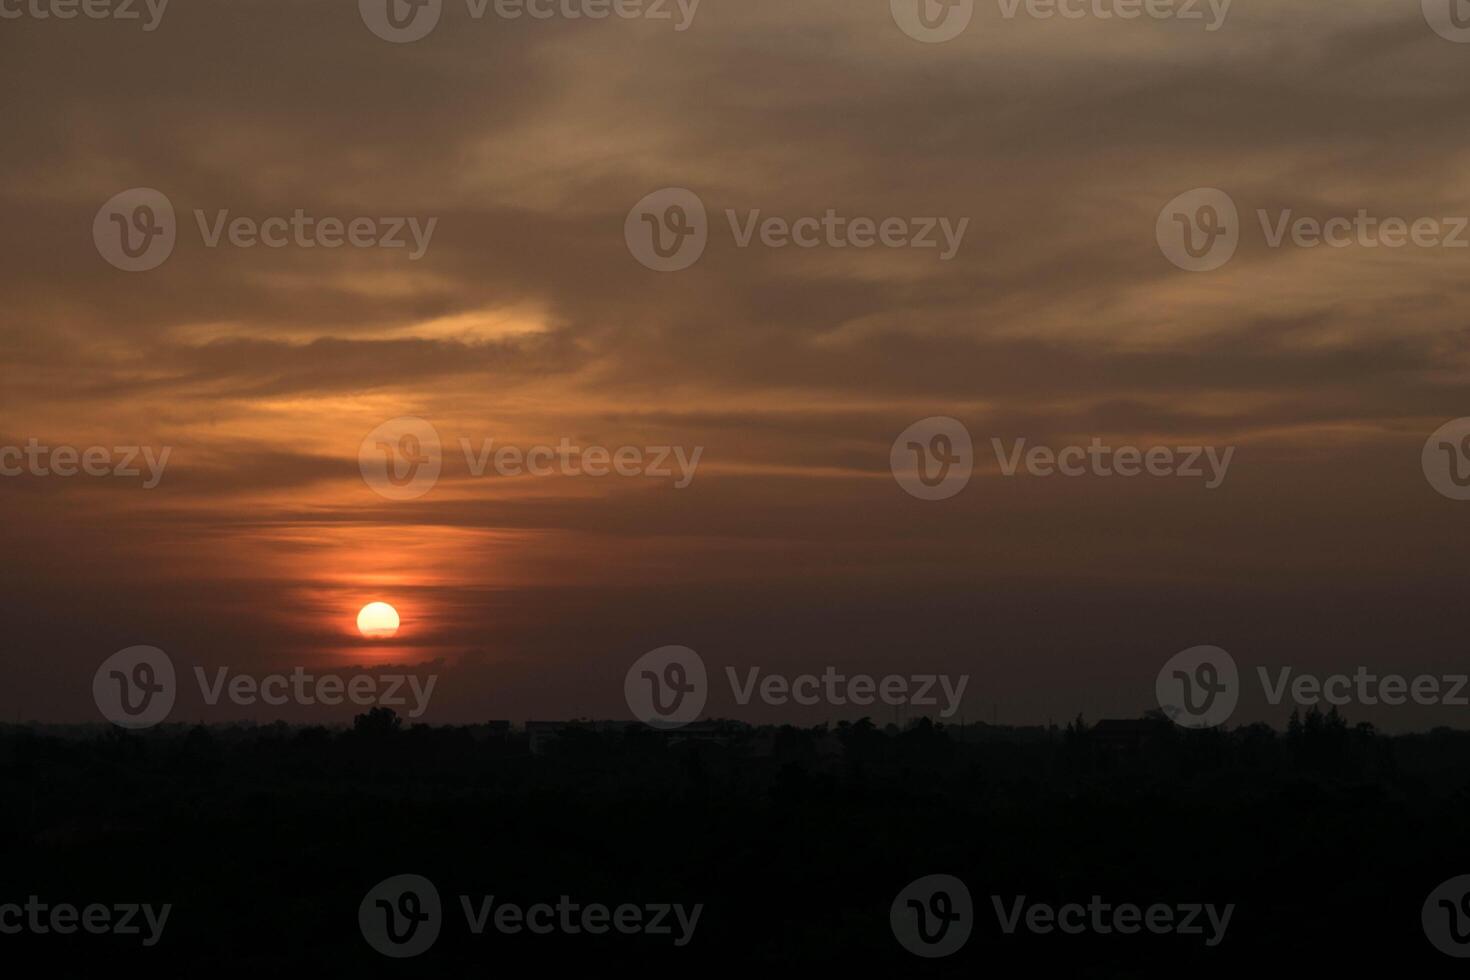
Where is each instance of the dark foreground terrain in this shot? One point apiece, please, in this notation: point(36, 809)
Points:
point(1327, 840)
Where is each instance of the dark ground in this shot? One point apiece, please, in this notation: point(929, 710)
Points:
point(1327, 838)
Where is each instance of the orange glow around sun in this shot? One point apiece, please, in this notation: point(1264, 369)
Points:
point(377, 621)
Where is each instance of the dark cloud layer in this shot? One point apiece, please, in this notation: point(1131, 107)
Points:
point(527, 320)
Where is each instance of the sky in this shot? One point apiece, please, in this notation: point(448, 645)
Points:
point(529, 320)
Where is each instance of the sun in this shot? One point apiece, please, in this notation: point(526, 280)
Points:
point(377, 621)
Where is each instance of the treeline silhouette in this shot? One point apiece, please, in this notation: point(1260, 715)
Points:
point(1326, 836)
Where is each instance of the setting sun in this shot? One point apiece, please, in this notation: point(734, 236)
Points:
point(377, 621)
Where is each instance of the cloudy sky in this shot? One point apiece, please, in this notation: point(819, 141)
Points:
point(528, 320)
